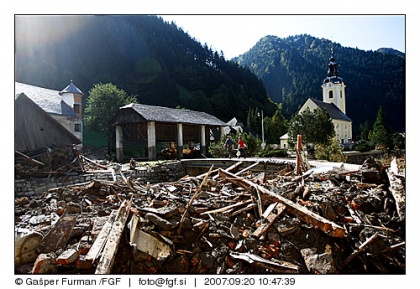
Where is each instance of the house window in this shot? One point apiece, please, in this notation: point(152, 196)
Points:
point(331, 94)
point(77, 127)
point(76, 108)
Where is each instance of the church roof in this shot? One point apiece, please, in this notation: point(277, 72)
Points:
point(48, 99)
point(333, 111)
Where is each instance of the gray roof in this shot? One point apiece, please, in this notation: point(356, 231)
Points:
point(35, 128)
point(71, 88)
point(47, 99)
point(333, 111)
point(174, 115)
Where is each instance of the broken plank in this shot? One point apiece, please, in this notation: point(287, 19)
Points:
point(295, 209)
point(220, 210)
point(397, 189)
point(198, 190)
point(271, 218)
point(30, 159)
point(110, 250)
point(59, 235)
point(232, 167)
point(100, 241)
point(250, 206)
point(358, 251)
point(274, 265)
point(247, 168)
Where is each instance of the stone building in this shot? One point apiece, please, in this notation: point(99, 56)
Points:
point(64, 106)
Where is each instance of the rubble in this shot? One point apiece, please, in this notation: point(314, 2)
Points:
point(225, 221)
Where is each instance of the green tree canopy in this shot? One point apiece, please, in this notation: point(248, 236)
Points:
point(275, 127)
point(315, 127)
point(103, 102)
point(381, 133)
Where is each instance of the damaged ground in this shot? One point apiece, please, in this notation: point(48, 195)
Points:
point(225, 221)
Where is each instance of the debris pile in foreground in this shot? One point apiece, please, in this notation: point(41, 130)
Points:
point(225, 221)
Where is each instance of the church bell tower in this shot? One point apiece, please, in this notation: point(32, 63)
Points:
point(333, 87)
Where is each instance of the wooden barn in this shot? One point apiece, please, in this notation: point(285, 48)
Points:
point(147, 131)
point(36, 129)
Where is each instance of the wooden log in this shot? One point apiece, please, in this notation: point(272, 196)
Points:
point(297, 210)
point(110, 250)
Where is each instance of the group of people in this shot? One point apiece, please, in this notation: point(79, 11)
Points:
point(240, 150)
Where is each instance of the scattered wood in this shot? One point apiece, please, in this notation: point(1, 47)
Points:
point(293, 208)
point(232, 221)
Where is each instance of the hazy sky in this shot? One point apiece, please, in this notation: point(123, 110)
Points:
point(236, 34)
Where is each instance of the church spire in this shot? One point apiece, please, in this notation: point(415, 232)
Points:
point(332, 72)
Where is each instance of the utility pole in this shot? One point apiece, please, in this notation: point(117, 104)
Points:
point(262, 129)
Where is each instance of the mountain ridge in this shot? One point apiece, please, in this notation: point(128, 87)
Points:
point(293, 68)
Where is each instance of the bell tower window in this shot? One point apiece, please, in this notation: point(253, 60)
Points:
point(330, 94)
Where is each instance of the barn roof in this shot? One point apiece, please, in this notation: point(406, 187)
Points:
point(172, 115)
point(47, 99)
point(35, 128)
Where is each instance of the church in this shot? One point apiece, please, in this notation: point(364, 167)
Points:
point(334, 101)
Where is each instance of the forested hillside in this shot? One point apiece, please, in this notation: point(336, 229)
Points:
point(293, 69)
point(143, 55)
point(160, 64)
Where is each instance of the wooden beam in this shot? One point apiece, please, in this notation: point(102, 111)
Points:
point(100, 241)
point(111, 247)
point(271, 218)
point(297, 210)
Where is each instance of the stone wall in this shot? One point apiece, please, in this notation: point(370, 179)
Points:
point(358, 158)
point(161, 172)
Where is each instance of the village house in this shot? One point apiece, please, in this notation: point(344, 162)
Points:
point(64, 106)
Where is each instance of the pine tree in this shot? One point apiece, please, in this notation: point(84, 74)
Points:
point(381, 133)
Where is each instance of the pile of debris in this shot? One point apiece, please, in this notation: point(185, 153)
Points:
point(227, 221)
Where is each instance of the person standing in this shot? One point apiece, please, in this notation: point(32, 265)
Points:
point(241, 147)
point(229, 146)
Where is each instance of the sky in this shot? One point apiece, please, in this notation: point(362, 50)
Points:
point(236, 34)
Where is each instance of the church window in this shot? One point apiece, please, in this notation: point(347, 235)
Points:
point(331, 94)
point(341, 94)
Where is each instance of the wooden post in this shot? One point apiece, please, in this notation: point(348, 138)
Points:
point(203, 140)
point(151, 140)
point(300, 162)
point(119, 142)
point(180, 143)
